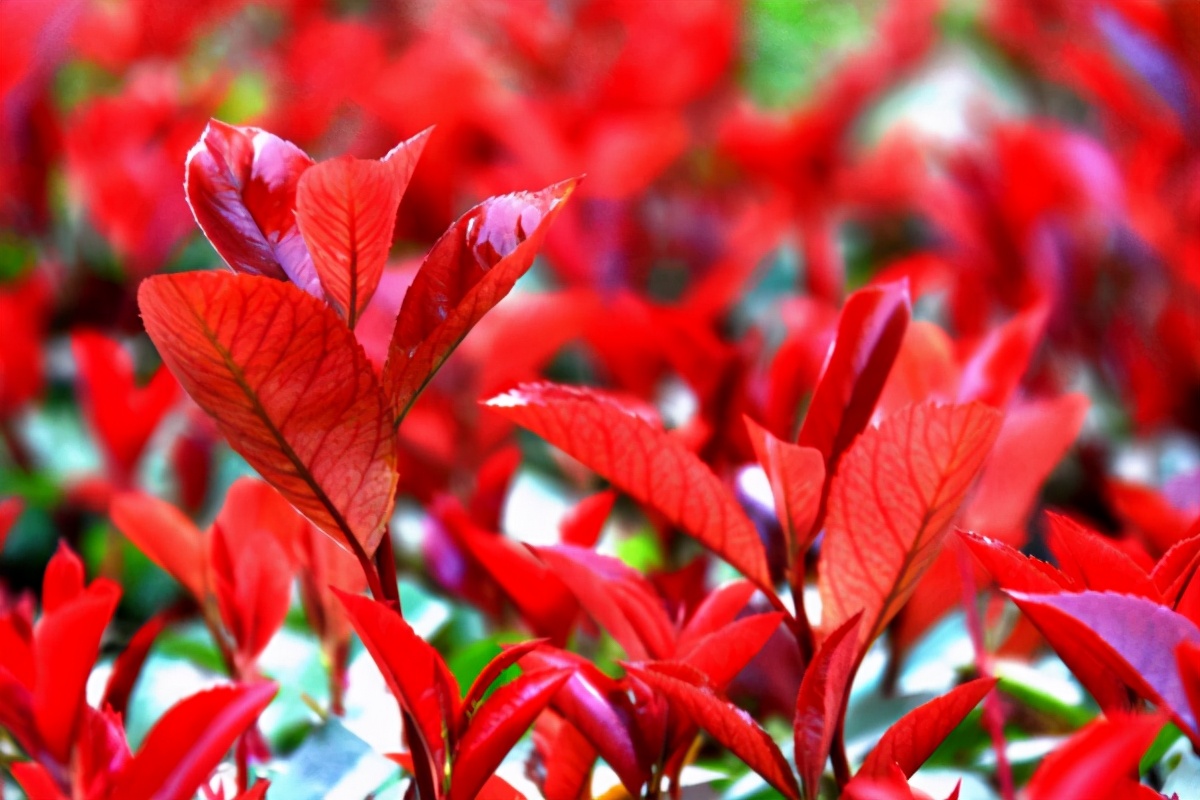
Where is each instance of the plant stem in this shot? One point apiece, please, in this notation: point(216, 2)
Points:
point(841, 764)
point(385, 567)
point(427, 785)
point(802, 629)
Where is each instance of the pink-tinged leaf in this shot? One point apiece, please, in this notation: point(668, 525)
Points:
point(1099, 762)
point(252, 579)
point(870, 330)
point(187, 744)
point(65, 645)
point(128, 665)
point(894, 496)
point(620, 600)
point(36, 781)
point(797, 478)
point(346, 210)
point(732, 727)
point(412, 668)
point(290, 388)
point(10, 510)
point(508, 657)
point(724, 653)
point(241, 185)
point(1133, 637)
point(1012, 569)
point(893, 785)
point(469, 270)
point(719, 608)
point(497, 725)
point(643, 461)
point(584, 523)
point(911, 741)
point(1092, 561)
point(166, 536)
point(820, 702)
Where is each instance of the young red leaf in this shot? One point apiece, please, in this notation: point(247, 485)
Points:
point(721, 607)
point(346, 210)
point(1094, 562)
point(819, 704)
point(618, 598)
point(506, 658)
point(241, 185)
point(469, 270)
point(166, 536)
point(1176, 569)
point(584, 523)
point(1099, 762)
point(1133, 637)
point(252, 579)
point(412, 668)
point(797, 477)
point(10, 510)
point(36, 781)
point(497, 725)
point(731, 726)
point(643, 461)
point(289, 387)
point(567, 758)
point(911, 741)
point(128, 665)
point(724, 653)
point(890, 505)
point(63, 579)
point(870, 330)
point(1012, 569)
point(184, 747)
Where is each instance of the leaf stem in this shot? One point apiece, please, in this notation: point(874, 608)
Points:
point(841, 764)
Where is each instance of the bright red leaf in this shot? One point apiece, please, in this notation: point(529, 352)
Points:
point(797, 478)
point(821, 700)
point(1100, 762)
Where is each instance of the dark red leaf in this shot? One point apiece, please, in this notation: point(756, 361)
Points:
point(797, 478)
point(468, 271)
point(497, 725)
point(241, 185)
point(643, 461)
point(289, 386)
point(892, 501)
point(820, 702)
point(184, 747)
point(10, 511)
point(911, 741)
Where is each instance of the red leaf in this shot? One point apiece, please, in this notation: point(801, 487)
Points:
point(643, 461)
point(252, 579)
point(257, 793)
point(1012, 569)
point(1099, 763)
point(584, 523)
point(289, 386)
point(821, 700)
point(241, 185)
point(797, 478)
point(995, 369)
point(722, 654)
point(508, 657)
point(1094, 562)
point(911, 741)
point(1131, 636)
point(870, 330)
point(128, 665)
point(731, 726)
point(894, 496)
point(184, 747)
point(497, 788)
point(567, 756)
point(346, 210)
point(719, 608)
point(10, 511)
point(36, 781)
point(166, 536)
point(63, 579)
point(412, 668)
point(1176, 569)
point(617, 597)
point(468, 271)
point(497, 725)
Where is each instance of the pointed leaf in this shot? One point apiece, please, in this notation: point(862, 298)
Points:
point(722, 654)
point(289, 387)
point(797, 478)
point(241, 185)
point(497, 725)
point(643, 461)
point(821, 700)
point(584, 523)
point(1100, 762)
point(253, 580)
point(1094, 562)
point(468, 271)
point(10, 510)
point(63, 579)
point(891, 503)
point(36, 781)
point(911, 741)
point(166, 536)
point(346, 210)
point(507, 657)
point(1012, 569)
point(128, 665)
point(721, 607)
point(187, 744)
point(731, 726)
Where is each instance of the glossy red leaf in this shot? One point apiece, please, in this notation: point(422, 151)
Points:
point(128, 665)
point(568, 758)
point(252, 579)
point(994, 371)
point(724, 653)
point(1176, 569)
point(870, 330)
point(894, 496)
point(469, 270)
point(346, 210)
point(497, 788)
point(1012, 569)
point(797, 478)
point(36, 781)
point(1133, 637)
point(10, 511)
point(911, 741)
point(184, 747)
point(241, 185)
point(497, 725)
point(654, 468)
point(731, 726)
point(620, 600)
point(506, 658)
point(719, 608)
point(166, 536)
point(63, 579)
point(584, 523)
point(1095, 563)
point(289, 387)
point(821, 700)
point(1099, 762)
point(412, 668)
